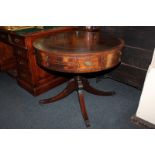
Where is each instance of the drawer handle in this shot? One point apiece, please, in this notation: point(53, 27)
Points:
point(88, 63)
point(16, 40)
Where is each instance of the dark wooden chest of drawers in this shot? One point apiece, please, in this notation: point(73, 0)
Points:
point(19, 48)
point(7, 59)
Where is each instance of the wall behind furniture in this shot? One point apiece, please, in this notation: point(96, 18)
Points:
point(137, 54)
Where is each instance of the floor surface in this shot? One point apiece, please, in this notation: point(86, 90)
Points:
point(20, 110)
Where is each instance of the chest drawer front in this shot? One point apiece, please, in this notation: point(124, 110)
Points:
point(23, 63)
point(18, 40)
point(21, 53)
point(22, 59)
point(4, 36)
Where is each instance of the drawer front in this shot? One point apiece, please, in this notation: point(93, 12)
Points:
point(18, 40)
point(4, 36)
point(79, 63)
point(21, 53)
point(23, 63)
point(88, 64)
point(21, 58)
point(64, 63)
point(74, 64)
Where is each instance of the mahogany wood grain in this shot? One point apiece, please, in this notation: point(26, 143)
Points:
point(7, 59)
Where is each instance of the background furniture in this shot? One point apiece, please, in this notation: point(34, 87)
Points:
point(7, 59)
point(78, 52)
point(18, 58)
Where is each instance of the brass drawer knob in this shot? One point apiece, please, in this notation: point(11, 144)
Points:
point(88, 63)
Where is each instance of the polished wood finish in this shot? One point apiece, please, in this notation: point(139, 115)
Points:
point(78, 52)
point(7, 60)
point(30, 76)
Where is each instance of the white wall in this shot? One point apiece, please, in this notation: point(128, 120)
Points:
point(146, 108)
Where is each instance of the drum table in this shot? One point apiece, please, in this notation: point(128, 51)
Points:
point(78, 52)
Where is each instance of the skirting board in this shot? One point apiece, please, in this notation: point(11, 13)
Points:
point(140, 122)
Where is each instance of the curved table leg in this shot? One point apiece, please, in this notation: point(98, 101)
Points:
point(68, 90)
point(78, 83)
point(90, 89)
point(83, 108)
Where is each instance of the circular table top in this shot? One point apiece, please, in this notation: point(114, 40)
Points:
point(77, 41)
point(78, 51)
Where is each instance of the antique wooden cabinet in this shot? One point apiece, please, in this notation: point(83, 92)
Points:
point(7, 59)
point(17, 54)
